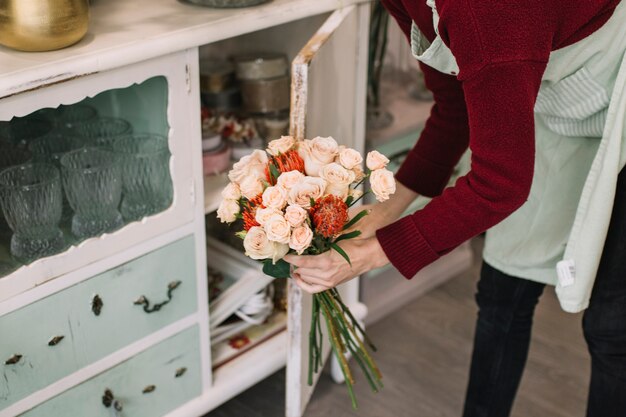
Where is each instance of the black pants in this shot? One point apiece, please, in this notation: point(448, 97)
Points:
point(506, 306)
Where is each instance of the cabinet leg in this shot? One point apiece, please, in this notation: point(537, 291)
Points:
point(335, 370)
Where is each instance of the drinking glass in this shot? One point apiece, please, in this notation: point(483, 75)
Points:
point(23, 130)
point(146, 175)
point(31, 203)
point(101, 131)
point(68, 116)
point(92, 179)
point(10, 156)
point(51, 148)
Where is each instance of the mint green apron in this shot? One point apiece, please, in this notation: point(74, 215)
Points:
point(558, 235)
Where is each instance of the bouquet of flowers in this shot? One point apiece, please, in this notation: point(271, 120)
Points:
point(294, 198)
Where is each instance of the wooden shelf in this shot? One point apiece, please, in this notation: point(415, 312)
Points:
point(125, 32)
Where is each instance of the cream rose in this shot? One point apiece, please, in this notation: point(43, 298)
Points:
point(251, 187)
point(228, 210)
point(252, 165)
point(316, 153)
point(307, 189)
point(301, 238)
point(258, 246)
point(281, 145)
point(275, 197)
point(376, 160)
point(277, 229)
point(262, 215)
point(295, 215)
point(231, 192)
point(383, 184)
point(349, 158)
point(338, 179)
point(287, 180)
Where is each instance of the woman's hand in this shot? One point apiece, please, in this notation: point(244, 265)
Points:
point(321, 272)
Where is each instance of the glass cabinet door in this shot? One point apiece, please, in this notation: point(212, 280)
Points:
point(328, 99)
point(93, 166)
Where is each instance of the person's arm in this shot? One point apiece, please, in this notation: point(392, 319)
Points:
point(500, 108)
point(500, 101)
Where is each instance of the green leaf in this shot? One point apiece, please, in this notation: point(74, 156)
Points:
point(312, 202)
point(349, 200)
point(341, 252)
point(281, 269)
point(350, 235)
point(242, 234)
point(355, 219)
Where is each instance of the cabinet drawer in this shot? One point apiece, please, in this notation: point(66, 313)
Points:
point(68, 330)
point(150, 384)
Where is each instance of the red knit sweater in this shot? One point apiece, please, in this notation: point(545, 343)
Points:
point(502, 48)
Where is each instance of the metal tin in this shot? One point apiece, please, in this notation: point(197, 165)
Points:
point(227, 100)
point(216, 76)
point(261, 66)
point(265, 96)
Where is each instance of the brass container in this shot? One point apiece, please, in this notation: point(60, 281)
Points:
point(42, 25)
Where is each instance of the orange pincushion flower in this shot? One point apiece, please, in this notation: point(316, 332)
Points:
point(249, 212)
point(285, 162)
point(329, 215)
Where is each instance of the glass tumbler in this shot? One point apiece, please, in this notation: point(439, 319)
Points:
point(92, 179)
point(101, 131)
point(10, 156)
point(24, 130)
point(51, 148)
point(146, 174)
point(68, 116)
point(31, 203)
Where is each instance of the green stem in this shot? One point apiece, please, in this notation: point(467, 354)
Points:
point(342, 361)
point(356, 348)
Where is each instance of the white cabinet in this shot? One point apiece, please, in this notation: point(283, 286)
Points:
point(141, 61)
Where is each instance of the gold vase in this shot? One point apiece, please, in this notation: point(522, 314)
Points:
point(42, 25)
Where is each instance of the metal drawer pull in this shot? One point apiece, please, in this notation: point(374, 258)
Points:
point(109, 400)
point(55, 340)
point(143, 300)
point(96, 304)
point(180, 372)
point(13, 359)
point(149, 389)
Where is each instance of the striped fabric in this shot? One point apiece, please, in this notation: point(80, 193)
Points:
point(576, 106)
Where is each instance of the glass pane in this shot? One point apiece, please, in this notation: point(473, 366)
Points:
point(80, 170)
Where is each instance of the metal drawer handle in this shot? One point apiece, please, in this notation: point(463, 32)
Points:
point(180, 372)
point(108, 399)
point(55, 340)
point(149, 389)
point(143, 300)
point(96, 304)
point(13, 359)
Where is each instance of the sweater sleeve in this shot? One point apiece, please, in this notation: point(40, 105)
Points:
point(500, 99)
point(429, 165)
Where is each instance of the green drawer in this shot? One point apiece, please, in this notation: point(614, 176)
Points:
point(87, 336)
point(150, 384)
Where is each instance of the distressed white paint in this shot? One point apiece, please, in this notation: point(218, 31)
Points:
point(184, 136)
point(328, 90)
point(125, 32)
point(129, 42)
